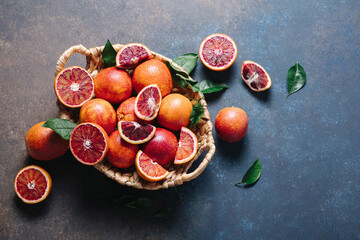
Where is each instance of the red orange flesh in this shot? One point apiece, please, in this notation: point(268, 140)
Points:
point(89, 143)
point(187, 146)
point(218, 52)
point(74, 86)
point(32, 184)
point(148, 169)
point(131, 55)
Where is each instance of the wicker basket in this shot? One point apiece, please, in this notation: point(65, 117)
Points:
point(129, 177)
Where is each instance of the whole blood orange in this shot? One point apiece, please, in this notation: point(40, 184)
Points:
point(126, 110)
point(101, 112)
point(162, 147)
point(113, 85)
point(175, 111)
point(44, 144)
point(89, 143)
point(148, 169)
point(121, 154)
point(32, 184)
point(231, 124)
point(74, 86)
point(152, 72)
point(218, 52)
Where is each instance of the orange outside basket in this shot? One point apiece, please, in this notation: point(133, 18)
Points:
point(130, 177)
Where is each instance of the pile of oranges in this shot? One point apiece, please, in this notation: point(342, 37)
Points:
point(134, 118)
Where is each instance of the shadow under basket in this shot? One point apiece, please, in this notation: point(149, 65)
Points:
point(129, 176)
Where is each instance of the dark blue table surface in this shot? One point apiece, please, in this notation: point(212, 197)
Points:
point(308, 143)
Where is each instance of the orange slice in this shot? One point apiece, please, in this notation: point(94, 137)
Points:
point(218, 52)
point(187, 146)
point(255, 76)
point(131, 55)
point(147, 103)
point(148, 169)
point(32, 184)
point(89, 143)
point(135, 133)
point(74, 86)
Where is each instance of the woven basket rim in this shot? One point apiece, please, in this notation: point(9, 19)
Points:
point(129, 177)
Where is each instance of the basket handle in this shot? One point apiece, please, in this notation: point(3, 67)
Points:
point(67, 54)
point(203, 164)
point(93, 54)
point(210, 145)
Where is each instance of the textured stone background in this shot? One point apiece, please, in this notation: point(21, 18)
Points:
point(308, 144)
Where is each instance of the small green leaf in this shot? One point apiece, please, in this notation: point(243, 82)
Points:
point(176, 71)
point(184, 81)
point(143, 202)
point(252, 174)
point(196, 113)
point(180, 81)
point(178, 190)
point(195, 86)
point(129, 201)
point(187, 61)
point(62, 127)
point(109, 55)
point(210, 86)
point(162, 212)
point(296, 78)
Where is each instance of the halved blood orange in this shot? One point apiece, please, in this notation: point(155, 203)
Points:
point(148, 169)
point(255, 76)
point(218, 52)
point(187, 146)
point(131, 55)
point(147, 103)
point(74, 86)
point(89, 143)
point(134, 132)
point(32, 184)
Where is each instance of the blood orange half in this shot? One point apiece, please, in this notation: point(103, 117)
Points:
point(74, 86)
point(147, 103)
point(148, 169)
point(218, 52)
point(89, 143)
point(134, 132)
point(187, 146)
point(32, 184)
point(131, 55)
point(255, 76)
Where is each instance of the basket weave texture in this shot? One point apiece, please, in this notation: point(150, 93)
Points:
point(130, 177)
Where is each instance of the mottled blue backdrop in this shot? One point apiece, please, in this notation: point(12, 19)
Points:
point(308, 143)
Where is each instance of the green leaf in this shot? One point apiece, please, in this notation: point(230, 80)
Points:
point(252, 174)
point(129, 201)
point(138, 203)
point(187, 61)
point(184, 81)
point(62, 127)
point(176, 71)
point(296, 78)
point(210, 86)
point(162, 213)
point(180, 81)
point(196, 113)
point(178, 190)
point(109, 55)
